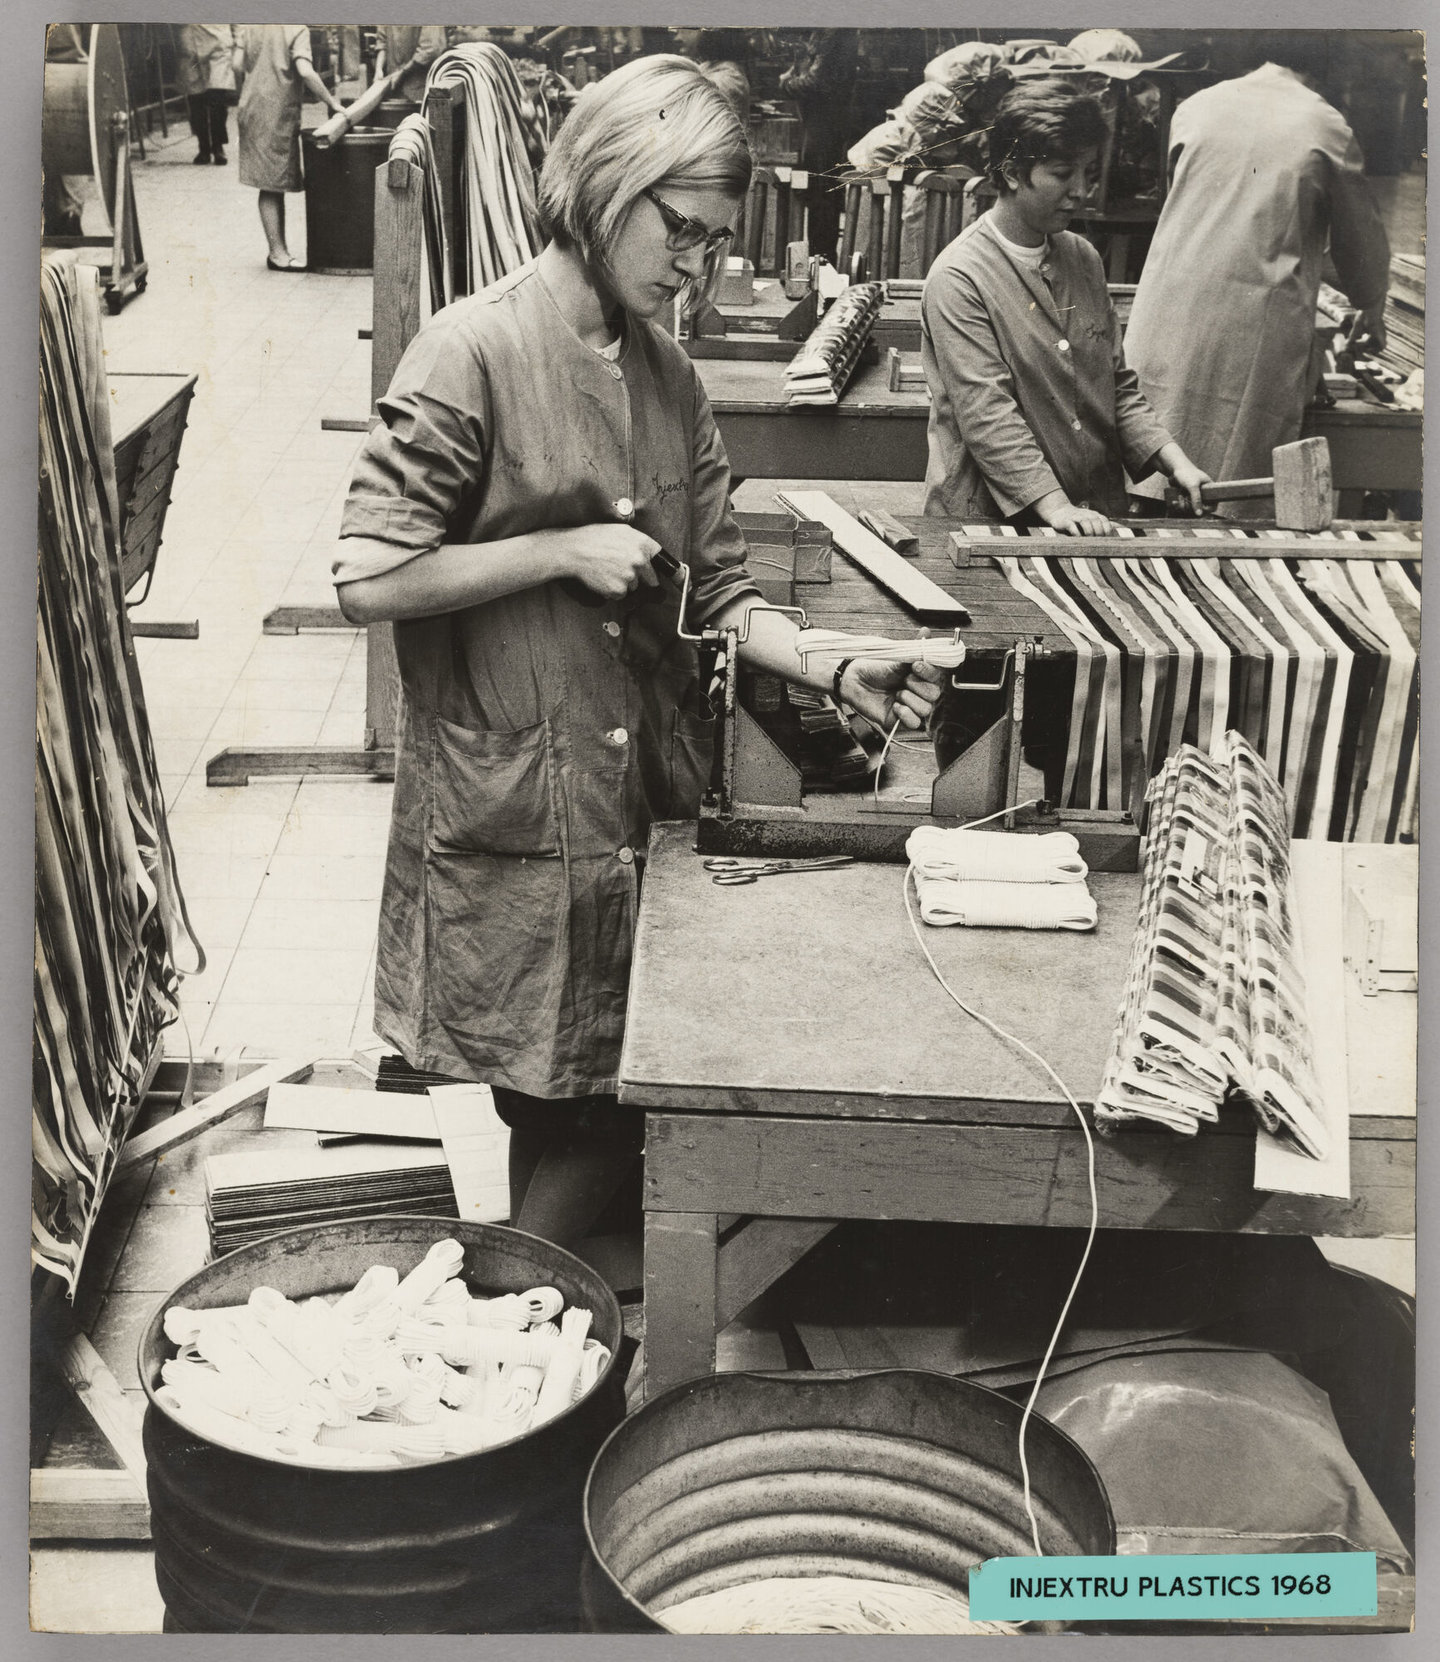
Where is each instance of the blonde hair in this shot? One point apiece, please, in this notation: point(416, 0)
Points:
point(656, 121)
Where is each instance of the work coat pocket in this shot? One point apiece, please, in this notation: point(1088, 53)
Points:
point(494, 793)
point(692, 759)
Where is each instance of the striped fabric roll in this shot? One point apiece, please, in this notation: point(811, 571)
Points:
point(1213, 1009)
point(1313, 660)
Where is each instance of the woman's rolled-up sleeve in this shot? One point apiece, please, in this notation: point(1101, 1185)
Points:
point(430, 451)
point(717, 547)
point(981, 389)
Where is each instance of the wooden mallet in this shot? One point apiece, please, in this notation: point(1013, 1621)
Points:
point(1300, 485)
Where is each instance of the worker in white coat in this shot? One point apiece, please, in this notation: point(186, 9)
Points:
point(1265, 176)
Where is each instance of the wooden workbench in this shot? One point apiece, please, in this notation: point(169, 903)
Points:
point(799, 1064)
point(873, 433)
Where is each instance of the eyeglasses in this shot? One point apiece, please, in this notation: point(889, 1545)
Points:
point(682, 232)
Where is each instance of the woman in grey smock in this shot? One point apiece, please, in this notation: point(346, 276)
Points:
point(541, 441)
point(275, 60)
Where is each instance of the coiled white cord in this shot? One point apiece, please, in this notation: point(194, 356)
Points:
point(1035, 1056)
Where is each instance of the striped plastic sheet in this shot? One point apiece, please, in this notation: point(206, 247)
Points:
point(1313, 660)
point(500, 228)
point(109, 914)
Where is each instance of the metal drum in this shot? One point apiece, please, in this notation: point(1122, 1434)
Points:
point(76, 132)
point(898, 1476)
point(340, 200)
point(392, 112)
point(481, 1543)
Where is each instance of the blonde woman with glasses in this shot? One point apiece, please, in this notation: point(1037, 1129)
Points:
point(540, 443)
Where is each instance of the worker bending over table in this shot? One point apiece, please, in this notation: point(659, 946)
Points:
point(540, 443)
point(1035, 417)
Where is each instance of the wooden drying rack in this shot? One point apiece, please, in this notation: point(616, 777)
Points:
point(399, 274)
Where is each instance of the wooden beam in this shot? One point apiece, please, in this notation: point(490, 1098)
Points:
point(864, 549)
point(758, 1256)
point(102, 1398)
point(67, 1504)
point(190, 1122)
point(780, 1167)
point(679, 1298)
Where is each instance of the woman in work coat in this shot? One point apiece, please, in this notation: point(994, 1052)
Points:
point(1034, 414)
point(275, 60)
point(205, 58)
point(540, 442)
point(1264, 175)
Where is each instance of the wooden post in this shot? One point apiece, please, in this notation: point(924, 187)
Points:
point(680, 1298)
point(399, 267)
point(894, 221)
point(399, 272)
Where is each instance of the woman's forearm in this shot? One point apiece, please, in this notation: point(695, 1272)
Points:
point(321, 91)
point(770, 645)
point(454, 576)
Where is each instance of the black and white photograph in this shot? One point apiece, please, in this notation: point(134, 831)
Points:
point(726, 828)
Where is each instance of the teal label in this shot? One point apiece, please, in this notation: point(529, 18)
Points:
point(1154, 1587)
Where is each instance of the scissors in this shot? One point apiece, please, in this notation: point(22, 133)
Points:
point(729, 872)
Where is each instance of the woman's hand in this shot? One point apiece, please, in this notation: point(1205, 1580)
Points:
point(886, 691)
point(1056, 509)
point(610, 559)
point(1185, 476)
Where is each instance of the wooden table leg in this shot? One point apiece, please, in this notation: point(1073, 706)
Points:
point(679, 1298)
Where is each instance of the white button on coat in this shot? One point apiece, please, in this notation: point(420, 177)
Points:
point(612, 628)
point(1062, 345)
point(625, 856)
point(619, 735)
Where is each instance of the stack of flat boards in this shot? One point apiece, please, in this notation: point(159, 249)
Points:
point(1404, 348)
point(251, 1195)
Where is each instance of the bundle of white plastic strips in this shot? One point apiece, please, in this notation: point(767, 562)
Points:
point(821, 369)
point(963, 65)
point(1106, 46)
point(396, 1371)
point(500, 228)
point(999, 880)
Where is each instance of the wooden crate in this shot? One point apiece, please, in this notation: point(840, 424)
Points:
point(150, 413)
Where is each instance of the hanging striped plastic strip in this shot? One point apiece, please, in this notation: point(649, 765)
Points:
point(500, 228)
point(1314, 660)
point(412, 144)
point(109, 915)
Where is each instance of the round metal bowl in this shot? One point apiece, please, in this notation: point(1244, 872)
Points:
point(902, 1476)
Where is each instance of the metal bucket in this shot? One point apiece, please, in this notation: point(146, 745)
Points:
point(340, 200)
point(392, 112)
point(899, 1476)
point(480, 1543)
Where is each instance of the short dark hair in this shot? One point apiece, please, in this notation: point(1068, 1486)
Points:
point(1043, 120)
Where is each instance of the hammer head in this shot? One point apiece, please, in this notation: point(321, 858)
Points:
point(1302, 485)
